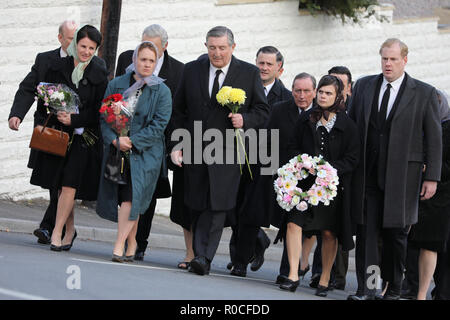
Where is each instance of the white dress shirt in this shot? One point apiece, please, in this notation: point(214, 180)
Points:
point(62, 53)
point(393, 94)
point(212, 76)
point(300, 110)
point(268, 87)
point(158, 65)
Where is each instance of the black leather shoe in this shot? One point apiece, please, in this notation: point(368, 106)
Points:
point(281, 278)
point(315, 278)
point(409, 295)
point(200, 265)
point(289, 285)
point(67, 247)
point(339, 285)
point(139, 256)
point(391, 296)
point(358, 297)
point(321, 291)
point(258, 259)
point(239, 270)
point(43, 235)
point(230, 265)
point(302, 273)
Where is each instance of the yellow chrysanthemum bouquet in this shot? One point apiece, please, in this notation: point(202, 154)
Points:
point(233, 99)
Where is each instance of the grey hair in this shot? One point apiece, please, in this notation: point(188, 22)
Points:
point(155, 30)
point(221, 31)
point(305, 75)
point(66, 24)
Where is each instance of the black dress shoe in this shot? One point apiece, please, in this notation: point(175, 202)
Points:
point(302, 273)
point(239, 271)
point(409, 295)
point(315, 278)
point(339, 286)
point(67, 247)
point(391, 296)
point(358, 297)
point(139, 256)
point(321, 291)
point(281, 278)
point(258, 259)
point(43, 235)
point(200, 265)
point(290, 285)
point(230, 265)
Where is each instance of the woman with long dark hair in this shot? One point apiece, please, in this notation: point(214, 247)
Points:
point(328, 132)
point(76, 175)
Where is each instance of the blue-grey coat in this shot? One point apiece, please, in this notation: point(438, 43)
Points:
point(151, 116)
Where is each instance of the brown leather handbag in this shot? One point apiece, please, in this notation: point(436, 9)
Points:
point(49, 140)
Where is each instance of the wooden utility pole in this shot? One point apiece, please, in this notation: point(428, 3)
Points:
point(110, 32)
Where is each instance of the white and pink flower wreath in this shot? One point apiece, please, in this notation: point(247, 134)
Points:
point(323, 190)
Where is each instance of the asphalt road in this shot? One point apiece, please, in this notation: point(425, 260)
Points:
point(29, 270)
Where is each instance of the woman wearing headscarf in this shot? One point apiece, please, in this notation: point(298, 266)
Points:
point(432, 230)
point(76, 174)
point(330, 133)
point(149, 99)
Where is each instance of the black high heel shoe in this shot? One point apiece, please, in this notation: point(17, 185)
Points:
point(289, 285)
point(302, 273)
point(322, 291)
point(67, 247)
point(55, 248)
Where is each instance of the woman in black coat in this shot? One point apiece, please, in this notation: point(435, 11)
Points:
point(329, 132)
point(432, 230)
point(77, 174)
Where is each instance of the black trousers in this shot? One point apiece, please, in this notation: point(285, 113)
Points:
point(411, 282)
point(49, 219)
point(243, 243)
point(248, 248)
point(207, 231)
point(144, 226)
point(394, 242)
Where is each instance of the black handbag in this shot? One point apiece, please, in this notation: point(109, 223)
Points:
point(116, 168)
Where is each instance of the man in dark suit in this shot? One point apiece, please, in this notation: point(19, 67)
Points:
point(23, 101)
point(169, 69)
point(269, 61)
point(398, 122)
point(211, 188)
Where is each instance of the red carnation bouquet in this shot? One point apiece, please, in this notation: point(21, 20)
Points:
point(115, 113)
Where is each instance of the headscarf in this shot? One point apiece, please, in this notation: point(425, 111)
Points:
point(150, 80)
point(318, 112)
point(444, 109)
point(78, 71)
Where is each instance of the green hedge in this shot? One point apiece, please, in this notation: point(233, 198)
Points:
point(340, 8)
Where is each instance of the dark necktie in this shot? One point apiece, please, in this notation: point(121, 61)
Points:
point(215, 87)
point(383, 108)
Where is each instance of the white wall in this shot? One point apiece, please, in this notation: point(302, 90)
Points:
point(311, 44)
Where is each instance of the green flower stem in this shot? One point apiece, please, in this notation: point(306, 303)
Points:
point(245, 154)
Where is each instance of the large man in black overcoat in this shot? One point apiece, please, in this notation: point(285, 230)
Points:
point(169, 69)
point(211, 189)
point(399, 126)
point(24, 99)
